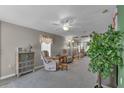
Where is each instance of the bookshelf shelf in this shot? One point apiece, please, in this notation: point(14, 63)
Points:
point(24, 62)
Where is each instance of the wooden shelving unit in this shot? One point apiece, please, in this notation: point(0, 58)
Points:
point(24, 62)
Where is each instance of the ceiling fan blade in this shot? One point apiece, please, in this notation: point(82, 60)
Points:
point(59, 29)
point(76, 37)
point(55, 24)
point(70, 26)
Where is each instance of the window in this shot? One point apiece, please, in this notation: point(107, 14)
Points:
point(46, 46)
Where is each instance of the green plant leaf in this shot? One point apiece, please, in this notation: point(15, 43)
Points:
point(105, 50)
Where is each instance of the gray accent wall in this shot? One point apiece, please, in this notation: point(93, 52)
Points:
point(14, 36)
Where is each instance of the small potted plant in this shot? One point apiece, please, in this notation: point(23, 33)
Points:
point(29, 48)
point(105, 53)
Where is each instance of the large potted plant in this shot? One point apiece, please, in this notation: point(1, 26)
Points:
point(105, 52)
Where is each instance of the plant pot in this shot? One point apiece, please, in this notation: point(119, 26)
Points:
point(96, 86)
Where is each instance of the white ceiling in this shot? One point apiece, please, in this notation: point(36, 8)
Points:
point(88, 17)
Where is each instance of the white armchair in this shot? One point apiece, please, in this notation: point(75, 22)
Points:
point(48, 65)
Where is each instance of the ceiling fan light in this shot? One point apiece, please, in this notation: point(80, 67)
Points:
point(65, 28)
point(72, 41)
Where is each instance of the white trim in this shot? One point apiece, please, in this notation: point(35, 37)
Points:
point(7, 76)
point(14, 74)
point(104, 86)
point(38, 67)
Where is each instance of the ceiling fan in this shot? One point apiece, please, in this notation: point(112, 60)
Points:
point(65, 23)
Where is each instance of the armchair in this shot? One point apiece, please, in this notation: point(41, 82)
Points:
point(49, 65)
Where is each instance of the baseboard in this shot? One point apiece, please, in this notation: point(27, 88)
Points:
point(104, 86)
point(7, 76)
point(38, 67)
point(11, 75)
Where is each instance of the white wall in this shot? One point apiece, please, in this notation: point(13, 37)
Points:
point(13, 36)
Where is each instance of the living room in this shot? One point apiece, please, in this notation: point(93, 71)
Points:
point(15, 37)
point(62, 38)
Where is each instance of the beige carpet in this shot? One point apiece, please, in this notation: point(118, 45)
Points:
point(77, 76)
